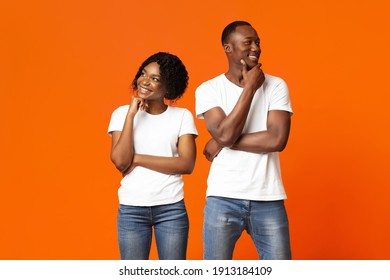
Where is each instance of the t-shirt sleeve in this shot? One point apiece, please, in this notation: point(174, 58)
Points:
point(187, 124)
point(280, 97)
point(118, 118)
point(204, 99)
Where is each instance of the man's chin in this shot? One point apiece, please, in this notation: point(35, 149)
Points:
point(249, 66)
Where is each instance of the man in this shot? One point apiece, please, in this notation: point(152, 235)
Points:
point(248, 115)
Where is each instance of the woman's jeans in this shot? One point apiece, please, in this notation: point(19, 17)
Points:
point(170, 224)
point(265, 221)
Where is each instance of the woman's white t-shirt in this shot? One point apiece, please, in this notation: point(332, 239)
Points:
point(156, 135)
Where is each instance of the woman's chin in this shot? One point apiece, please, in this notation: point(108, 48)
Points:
point(143, 96)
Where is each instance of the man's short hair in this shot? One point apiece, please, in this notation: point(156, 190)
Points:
point(230, 28)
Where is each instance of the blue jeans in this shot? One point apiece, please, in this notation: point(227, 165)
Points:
point(265, 221)
point(135, 226)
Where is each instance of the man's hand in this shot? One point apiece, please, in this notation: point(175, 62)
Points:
point(212, 149)
point(254, 78)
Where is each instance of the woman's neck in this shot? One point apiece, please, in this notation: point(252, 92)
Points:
point(156, 108)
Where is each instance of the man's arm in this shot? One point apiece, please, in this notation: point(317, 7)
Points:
point(274, 139)
point(227, 129)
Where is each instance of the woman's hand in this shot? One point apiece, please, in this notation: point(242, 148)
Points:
point(137, 103)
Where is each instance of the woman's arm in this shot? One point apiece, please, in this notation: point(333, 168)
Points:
point(122, 147)
point(182, 164)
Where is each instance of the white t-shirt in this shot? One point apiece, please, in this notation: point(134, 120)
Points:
point(239, 174)
point(153, 135)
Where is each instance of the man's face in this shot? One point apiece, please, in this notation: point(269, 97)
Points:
point(245, 44)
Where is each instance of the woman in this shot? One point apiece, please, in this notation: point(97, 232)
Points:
point(153, 144)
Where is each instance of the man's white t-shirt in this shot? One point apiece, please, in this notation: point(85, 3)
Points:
point(239, 174)
point(156, 135)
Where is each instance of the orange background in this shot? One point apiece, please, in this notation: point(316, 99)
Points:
point(66, 65)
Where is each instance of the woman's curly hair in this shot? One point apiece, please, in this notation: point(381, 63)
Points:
point(173, 74)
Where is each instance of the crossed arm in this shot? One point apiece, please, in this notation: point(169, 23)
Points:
point(226, 130)
point(125, 160)
point(273, 139)
point(182, 164)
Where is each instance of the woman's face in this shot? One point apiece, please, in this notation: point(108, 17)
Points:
point(149, 83)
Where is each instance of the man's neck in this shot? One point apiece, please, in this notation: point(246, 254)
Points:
point(235, 76)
